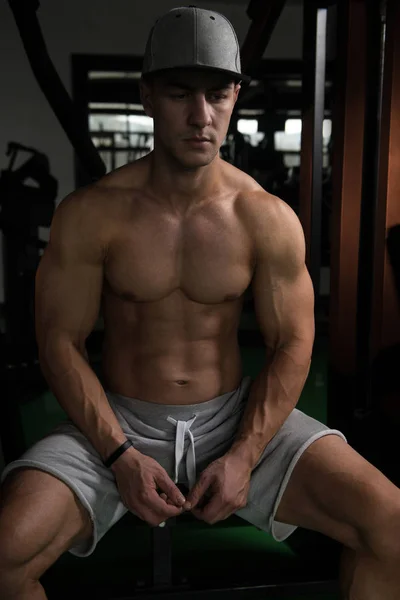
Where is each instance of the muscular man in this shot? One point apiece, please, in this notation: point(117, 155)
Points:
point(169, 244)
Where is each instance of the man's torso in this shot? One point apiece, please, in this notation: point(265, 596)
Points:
point(173, 289)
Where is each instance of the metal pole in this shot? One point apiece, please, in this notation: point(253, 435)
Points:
point(314, 58)
point(374, 82)
point(347, 171)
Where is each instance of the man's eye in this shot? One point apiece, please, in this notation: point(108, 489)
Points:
point(214, 97)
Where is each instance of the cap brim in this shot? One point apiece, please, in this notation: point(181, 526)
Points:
point(238, 76)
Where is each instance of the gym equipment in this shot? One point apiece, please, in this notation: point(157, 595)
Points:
point(28, 25)
point(27, 201)
point(393, 247)
point(314, 51)
point(162, 578)
point(364, 319)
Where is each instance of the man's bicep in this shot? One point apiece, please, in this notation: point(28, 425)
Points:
point(284, 308)
point(69, 279)
point(282, 287)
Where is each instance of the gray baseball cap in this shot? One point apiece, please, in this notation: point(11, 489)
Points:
point(191, 37)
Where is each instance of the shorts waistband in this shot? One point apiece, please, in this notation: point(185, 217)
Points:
point(147, 411)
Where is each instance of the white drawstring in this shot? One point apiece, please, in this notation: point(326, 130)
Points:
point(183, 428)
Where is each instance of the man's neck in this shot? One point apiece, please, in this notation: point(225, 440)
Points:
point(180, 189)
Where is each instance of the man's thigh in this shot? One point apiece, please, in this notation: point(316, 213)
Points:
point(66, 455)
point(40, 518)
point(275, 468)
point(335, 491)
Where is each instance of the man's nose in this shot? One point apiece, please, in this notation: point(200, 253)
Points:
point(200, 112)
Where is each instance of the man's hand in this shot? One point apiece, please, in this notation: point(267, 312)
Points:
point(138, 478)
point(224, 486)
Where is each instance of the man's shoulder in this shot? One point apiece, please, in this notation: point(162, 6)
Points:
point(267, 218)
point(85, 205)
point(88, 214)
point(255, 203)
point(99, 201)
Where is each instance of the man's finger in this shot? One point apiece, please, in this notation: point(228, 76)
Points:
point(213, 511)
point(158, 504)
point(170, 502)
point(197, 492)
point(171, 491)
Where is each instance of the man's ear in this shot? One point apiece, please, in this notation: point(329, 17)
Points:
point(146, 98)
point(238, 87)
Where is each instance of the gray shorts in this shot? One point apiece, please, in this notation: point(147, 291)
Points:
point(184, 440)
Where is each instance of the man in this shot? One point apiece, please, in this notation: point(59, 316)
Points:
point(170, 244)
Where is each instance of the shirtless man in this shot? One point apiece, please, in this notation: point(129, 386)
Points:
point(169, 244)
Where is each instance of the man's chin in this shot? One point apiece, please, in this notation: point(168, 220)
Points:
point(193, 160)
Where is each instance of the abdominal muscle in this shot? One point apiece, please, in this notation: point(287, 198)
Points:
point(167, 363)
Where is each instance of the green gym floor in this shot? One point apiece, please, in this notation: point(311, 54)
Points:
point(229, 553)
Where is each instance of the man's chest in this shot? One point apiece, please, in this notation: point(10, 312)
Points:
point(209, 257)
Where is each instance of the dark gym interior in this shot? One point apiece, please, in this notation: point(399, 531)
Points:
point(319, 127)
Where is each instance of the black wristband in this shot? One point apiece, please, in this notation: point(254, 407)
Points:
point(111, 459)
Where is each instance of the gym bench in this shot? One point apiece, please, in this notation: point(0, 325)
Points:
point(162, 586)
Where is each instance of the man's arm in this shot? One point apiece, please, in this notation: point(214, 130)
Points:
point(68, 294)
point(284, 304)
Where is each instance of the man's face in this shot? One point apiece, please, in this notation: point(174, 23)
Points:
point(186, 103)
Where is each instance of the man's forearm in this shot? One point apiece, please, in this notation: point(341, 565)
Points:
point(273, 395)
point(81, 395)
